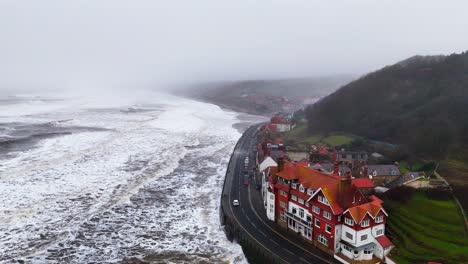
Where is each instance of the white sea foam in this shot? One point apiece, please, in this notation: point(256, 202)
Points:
point(147, 187)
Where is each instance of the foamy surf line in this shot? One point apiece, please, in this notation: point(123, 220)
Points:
point(146, 187)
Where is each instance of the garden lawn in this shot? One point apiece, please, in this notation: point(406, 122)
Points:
point(427, 230)
point(338, 140)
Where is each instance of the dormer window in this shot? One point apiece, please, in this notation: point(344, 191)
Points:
point(323, 200)
point(379, 219)
point(310, 192)
point(301, 188)
point(365, 223)
point(294, 185)
point(349, 221)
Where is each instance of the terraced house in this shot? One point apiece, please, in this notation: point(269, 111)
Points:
point(329, 211)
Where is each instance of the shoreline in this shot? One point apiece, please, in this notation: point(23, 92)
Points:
point(246, 118)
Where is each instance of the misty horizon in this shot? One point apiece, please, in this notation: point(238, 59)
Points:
point(110, 45)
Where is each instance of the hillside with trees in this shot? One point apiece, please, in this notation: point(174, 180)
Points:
point(420, 103)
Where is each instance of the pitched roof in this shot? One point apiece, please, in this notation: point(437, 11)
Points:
point(279, 120)
point(363, 183)
point(314, 179)
point(270, 127)
point(384, 170)
point(372, 208)
point(340, 199)
point(289, 171)
point(384, 241)
point(267, 162)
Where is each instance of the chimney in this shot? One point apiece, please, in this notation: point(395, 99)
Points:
point(345, 183)
point(336, 169)
point(280, 164)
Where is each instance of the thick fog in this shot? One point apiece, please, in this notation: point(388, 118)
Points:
point(107, 44)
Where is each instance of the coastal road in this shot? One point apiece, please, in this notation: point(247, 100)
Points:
point(250, 215)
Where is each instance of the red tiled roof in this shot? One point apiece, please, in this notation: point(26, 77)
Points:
point(363, 183)
point(384, 241)
point(359, 212)
point(289, 171)
point(282, 187)
point(323, 151)
point(270, 127)
point(342, 199)
point(314, 179)
point(278, 120)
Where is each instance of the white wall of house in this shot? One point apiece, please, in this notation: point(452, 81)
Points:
point(381, 252)
point(356, 255)
point(376, 228)
point(378, 250)
point(357, 236)
point(283, 127)
point(337, 237)
point(264, 189)
point(270, 206)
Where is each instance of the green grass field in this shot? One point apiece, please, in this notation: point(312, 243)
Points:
point(337, 140)
point(299, 137)
point(426, 230)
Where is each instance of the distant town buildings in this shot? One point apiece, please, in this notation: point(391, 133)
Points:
point(322, 202)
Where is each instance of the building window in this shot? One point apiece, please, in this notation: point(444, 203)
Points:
point(283, 193)
point(272, 197)
point(317, 222)
point(301, 188)
point(379, 219)
point(347, 248)
point(309, 218)
point(315, 209)
point(322, 239)
point(294, 197)
point(368, 251)
point(307, 204)
point(349, 221)
point(294, 210)
point(301, 201)
point(301, 213)
point(294, 185)
point(310, 191)
point(379, 232)
point(327, 215)
point(328, 228)
point(349, 235)
point(339, 218)
point(323, 199)
point(365, 223)
point(363, 237)
point(282, 204)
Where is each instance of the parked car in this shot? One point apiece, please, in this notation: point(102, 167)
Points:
point(235, 203)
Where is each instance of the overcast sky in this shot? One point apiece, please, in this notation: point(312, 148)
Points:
point(110, 43)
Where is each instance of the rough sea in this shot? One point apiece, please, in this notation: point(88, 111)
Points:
point(113, 181)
